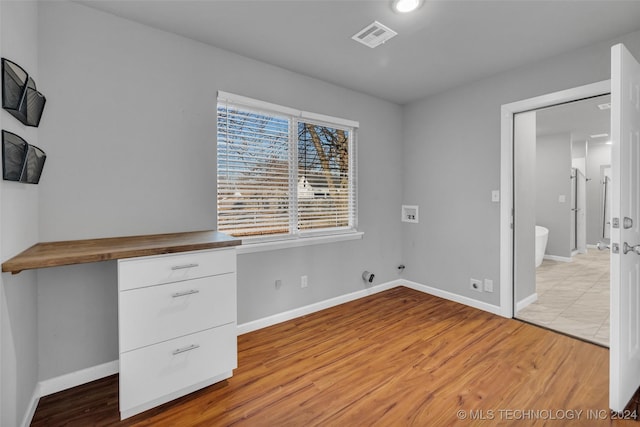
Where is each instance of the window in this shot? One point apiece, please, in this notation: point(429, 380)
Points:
point(283, 172)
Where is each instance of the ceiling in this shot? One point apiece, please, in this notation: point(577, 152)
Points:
point(580, 118)
point(442, 45)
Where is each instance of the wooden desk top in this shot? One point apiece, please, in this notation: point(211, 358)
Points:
point(52, 254)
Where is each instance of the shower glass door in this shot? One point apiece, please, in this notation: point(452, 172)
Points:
point(578, 230)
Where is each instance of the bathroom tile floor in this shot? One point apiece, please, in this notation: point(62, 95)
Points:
point(573, 297)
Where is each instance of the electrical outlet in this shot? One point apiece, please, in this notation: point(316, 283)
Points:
point(278, 284)
point(475, 284)
point(488, 285)
point(304, 281)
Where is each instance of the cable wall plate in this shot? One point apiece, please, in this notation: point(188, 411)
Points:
point(410, 213)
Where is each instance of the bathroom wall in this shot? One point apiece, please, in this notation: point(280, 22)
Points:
point(599, 155)
point(579, 154)
point(578, 148)
point(553, 191)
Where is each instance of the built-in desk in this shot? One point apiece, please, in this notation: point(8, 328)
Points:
point(176, 308)
point(53, 254)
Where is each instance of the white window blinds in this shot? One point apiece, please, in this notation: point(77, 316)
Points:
point(282, 174)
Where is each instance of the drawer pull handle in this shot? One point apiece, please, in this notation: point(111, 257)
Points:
point(185, 349)
point(185, 293)
point(182, 267)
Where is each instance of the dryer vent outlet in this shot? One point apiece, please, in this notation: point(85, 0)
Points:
point(368, 277)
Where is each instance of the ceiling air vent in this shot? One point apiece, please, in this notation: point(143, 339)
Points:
point(374, 34)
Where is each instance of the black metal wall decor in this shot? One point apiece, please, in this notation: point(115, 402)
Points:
point(21, 161)
point(19, 94)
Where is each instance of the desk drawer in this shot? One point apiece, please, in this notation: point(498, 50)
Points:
point(148, 271)
point(153, 372)
point(159, 313)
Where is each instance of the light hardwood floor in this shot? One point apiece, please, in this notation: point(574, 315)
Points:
point(395, 358)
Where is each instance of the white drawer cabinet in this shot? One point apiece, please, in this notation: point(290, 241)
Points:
point(177, 325)
point(154, 270)
point(161, 369)
point(159, 313)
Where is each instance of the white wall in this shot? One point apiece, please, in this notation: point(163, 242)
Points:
point(452, 162)
point(578, 151)
point(130, 130)
point(599, 155)
point(18, 230)
point(553, 172)
point(525, 167)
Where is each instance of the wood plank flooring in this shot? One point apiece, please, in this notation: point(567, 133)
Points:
point(397, 358)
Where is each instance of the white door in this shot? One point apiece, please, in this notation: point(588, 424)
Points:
point(605, 222)
point(624, 364)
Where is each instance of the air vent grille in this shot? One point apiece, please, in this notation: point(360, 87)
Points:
point(374, 34)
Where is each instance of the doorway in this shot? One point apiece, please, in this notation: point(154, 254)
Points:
point(624, 368)
point(508, 114)
point(559, 154)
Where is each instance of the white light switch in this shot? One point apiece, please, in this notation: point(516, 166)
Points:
point(495, 196)
point(562, 198)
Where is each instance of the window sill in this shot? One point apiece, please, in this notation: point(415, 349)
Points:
point(248, 247)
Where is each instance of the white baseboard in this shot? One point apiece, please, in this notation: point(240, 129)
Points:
point(83, 376)
point(63, 382)
point(73, 379)
point(254, 325)
point(526, 301)
point(557, 258)
point(31, 409)
point(312, 308)
point(495, 309)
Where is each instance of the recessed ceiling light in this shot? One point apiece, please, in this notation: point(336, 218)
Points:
point(606, 106)
point(405, 6)
point(599, 135)
point(608, 142)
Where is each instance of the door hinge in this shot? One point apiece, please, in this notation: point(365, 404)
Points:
point(615, 222)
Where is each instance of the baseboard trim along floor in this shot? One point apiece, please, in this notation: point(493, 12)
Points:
point(73, 379)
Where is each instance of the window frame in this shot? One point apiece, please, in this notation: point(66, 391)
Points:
point(295, 236)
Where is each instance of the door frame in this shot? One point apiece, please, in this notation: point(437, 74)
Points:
point(507, 112)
